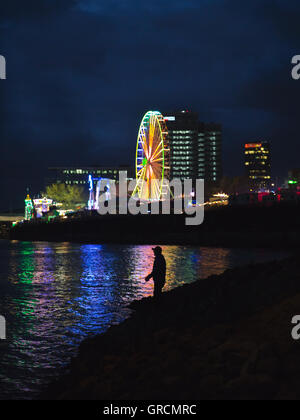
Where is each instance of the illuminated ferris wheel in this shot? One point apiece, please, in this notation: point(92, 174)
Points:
point(152, 157)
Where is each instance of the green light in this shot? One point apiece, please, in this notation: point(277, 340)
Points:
point(293, 182)
point(29, 208)
point(145, 161)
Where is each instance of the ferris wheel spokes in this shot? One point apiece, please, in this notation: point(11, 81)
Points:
point(152, 157)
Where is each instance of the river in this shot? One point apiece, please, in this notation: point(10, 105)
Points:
point(53, 295)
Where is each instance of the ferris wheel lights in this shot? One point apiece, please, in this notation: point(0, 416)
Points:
point(151, 150)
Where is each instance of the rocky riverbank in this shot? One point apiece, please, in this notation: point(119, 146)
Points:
point(226, 337)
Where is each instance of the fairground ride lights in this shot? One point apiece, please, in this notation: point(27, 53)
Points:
point(2, 68)
point(152, 410)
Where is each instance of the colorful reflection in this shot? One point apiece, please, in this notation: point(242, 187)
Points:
point(55, 295)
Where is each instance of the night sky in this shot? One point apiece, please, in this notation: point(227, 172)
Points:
point(81, 74)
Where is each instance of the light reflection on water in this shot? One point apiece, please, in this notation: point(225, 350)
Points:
point(55, 295)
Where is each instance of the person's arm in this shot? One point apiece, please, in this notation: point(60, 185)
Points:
point(150, 276)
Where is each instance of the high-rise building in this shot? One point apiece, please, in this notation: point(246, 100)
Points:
point(258, 165)
point(79, 175)
point(195, 147)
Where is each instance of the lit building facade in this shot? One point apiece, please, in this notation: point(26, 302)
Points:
point(195, 147)
point(258, 165)
point(80, 175)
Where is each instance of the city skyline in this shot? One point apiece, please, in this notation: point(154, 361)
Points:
point(129, 168)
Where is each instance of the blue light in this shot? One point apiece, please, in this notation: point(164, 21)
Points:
point(91, 182)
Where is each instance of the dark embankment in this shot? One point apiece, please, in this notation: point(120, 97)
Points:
point(227, 337)
point(275, 226)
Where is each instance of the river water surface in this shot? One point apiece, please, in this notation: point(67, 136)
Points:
point(53, 295)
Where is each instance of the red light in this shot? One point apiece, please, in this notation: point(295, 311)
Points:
point(261, 196)
point(253, 145)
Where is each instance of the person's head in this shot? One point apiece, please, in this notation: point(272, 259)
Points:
point(157, 251)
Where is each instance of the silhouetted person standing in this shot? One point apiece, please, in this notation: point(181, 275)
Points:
point(159, 272)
